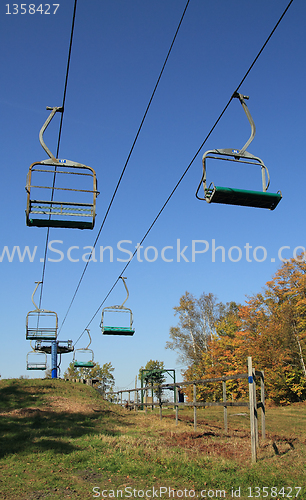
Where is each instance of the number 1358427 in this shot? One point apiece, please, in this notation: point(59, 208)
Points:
point(31, 8)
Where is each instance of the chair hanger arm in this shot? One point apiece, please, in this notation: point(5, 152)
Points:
point(242, 98)
point(87, 330)
point(37, 283)
point(127, 292)
point(45, 125)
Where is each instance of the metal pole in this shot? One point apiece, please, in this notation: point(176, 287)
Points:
point(146, 400)
point(252, 413)
point(195, 408)
point(225, 407)
point(263, 407)
point(54, 359)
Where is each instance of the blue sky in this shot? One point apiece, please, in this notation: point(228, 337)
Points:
point(118, 50)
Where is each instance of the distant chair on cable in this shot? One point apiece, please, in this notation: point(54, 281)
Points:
point(41, 324)
point(60, 193)
point(84, 358)
point(36, 360)
point(118, 330)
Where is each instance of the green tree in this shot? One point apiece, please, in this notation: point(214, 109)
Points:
point(153, 375)
point(103, 373)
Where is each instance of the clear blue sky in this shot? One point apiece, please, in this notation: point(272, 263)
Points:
point(118, 50)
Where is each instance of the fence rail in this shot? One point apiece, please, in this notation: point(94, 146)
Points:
point(252, 404)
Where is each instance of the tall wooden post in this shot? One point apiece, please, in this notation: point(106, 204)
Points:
point(152, 395)
point(195, 408)
point(146, 400)
point(225, 406)
point(160, 405)
point(255, 410)
point(176, 406)
point(252, 409)
point(263, 406)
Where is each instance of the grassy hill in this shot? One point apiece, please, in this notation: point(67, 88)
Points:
point(61, 440)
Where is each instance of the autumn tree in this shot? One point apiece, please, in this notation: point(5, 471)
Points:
point(275, 322)
point(219, 359)
point(197, 320)
point(270, 327)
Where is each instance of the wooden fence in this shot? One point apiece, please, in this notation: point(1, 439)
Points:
point(252, 376)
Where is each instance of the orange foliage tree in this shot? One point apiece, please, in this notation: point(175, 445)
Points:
point(270, 327)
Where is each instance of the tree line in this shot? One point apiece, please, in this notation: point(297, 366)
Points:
point(215, 339)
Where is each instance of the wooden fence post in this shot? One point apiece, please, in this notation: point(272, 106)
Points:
point(160, 405)
point(195, 408)
point(146, 399)
point(225, 406)
point(255, 409)
point(263, 407)
point(176, 406)
point(252, 408)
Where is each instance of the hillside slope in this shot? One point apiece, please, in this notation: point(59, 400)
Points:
point(62, 440)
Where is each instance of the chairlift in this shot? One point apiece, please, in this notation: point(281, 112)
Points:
point(115, 330)
point(41, 324)
point(72, 205)
point(79, 353)
point(242, 197)
point(36, 360)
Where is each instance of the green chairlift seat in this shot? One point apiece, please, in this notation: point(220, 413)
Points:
point(234, 196)
point(118, 330)
point(80, 362)
point(113, 330)
point(83, 364)
point(242, 197)
point(72, 187)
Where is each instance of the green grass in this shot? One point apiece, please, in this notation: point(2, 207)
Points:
point(60, 440)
